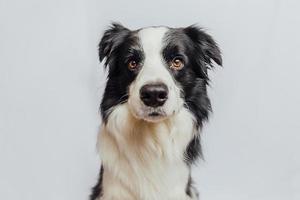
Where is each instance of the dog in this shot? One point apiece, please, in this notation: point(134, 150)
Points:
point(153, 108)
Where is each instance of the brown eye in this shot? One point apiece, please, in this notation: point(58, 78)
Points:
point(177, 64)
point(132, 65)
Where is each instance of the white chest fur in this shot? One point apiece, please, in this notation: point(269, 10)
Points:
point(142, 160)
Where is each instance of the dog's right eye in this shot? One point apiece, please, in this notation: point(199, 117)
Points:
point(132, 65)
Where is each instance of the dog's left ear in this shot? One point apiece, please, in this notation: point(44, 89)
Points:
point(205, 44)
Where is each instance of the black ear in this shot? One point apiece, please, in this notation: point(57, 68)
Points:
point(205, 44)
point(111, 40)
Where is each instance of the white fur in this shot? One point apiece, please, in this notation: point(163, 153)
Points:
point(142, 160)
point(154, 70)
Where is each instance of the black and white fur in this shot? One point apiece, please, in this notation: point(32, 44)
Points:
point(147, 152)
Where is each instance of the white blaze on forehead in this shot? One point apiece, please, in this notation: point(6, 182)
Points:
point(152, 39)
point(152, 42)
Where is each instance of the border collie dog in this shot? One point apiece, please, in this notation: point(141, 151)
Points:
point(153, 108)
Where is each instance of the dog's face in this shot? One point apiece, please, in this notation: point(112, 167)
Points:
point(156, 71)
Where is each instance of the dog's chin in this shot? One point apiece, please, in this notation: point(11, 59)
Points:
point(154, 117)
point(149, 115)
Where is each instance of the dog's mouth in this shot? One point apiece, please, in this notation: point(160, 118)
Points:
point(154, 114)
point(148, 114)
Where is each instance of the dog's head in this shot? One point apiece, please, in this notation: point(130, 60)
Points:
point(156, 71)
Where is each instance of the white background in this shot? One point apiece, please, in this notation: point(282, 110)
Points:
point(51, 84)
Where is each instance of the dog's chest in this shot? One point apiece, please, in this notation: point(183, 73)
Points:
point(145, 161)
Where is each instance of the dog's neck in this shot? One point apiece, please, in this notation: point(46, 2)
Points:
point(136, 153)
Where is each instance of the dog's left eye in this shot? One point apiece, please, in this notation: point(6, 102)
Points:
point(177, 63)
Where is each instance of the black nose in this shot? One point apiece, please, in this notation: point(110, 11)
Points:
point(154, 95)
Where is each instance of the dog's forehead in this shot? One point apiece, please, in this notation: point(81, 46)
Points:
point(152, 38)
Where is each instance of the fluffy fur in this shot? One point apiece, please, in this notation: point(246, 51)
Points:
point(146, 151)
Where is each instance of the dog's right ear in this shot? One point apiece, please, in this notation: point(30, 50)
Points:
point(111, 40)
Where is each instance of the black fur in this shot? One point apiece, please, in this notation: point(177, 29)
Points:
point(118, 45)
point(196, 48)
point(97, 189)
